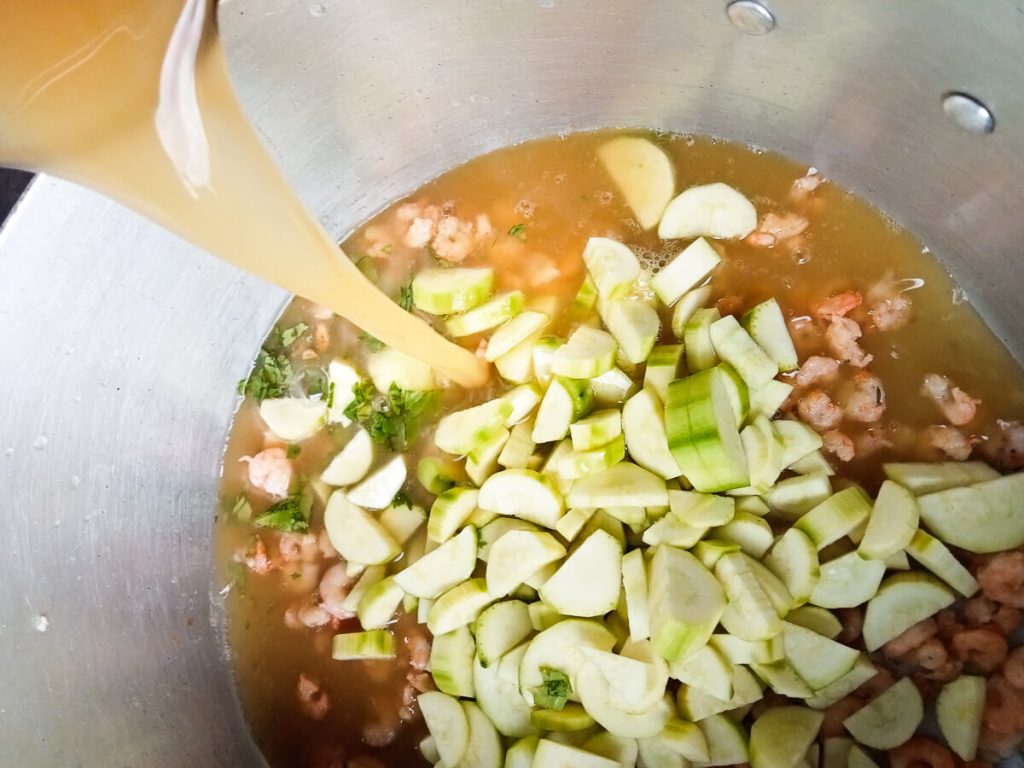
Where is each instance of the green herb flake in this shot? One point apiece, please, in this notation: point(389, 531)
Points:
point(242, 509)
point(518, 231)
point(290, 335)
point(330, 395)
point(294, 449)
point(387, 249)
point(290, 514)
point(554, 692)
point(401, 500)
point(372, 343)
point(405, 297)
point(271, 376)
point(394, 419)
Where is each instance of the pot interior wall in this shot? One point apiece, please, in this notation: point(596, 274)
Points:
point(127, 343)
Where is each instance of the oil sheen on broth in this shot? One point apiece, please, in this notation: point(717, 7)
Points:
point(528, 211)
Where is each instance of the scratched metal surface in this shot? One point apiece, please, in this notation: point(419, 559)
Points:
point(126, 343)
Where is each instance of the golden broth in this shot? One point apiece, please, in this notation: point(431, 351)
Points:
point(558, 192)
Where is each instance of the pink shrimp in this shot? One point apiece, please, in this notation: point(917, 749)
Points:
point(920, 752)
point(842, 334)
point(996, 746)
point(1002, 579)
point(980, 650)
point(334, 588)
point(1006, 449)
point(1007, 619)
point(957, 406)
point(950, 440)
point(806, 184)
point(298, 547)
point(948, 624)
point(775, 227)
point(930, 655)
point(455, 239)
point(383, 729)
point(892, 313)
point(838, 305)
point(323, 542)
point(866, 403)
point(871, 441)
point(832, 725)
point(321, 337)
point(817, 409)
point(979, 610)
point(911, 638)
point(816, 368)
point(270, 471)
point(1004, 706)
point(306, 615)
point(839, 445)
point(259, 561)
point(1013, 668)
point(313, 699)
point(419, 649)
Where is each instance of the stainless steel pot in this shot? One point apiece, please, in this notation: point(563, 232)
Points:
point(124, 344)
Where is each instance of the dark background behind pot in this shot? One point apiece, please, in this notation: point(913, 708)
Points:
point(12, 184)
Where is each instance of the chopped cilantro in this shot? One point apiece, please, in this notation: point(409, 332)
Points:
point(394, 419)
point(316, 382)
point(405, 297)
point(401, 500)
point(518, 231)
point(242, 509)
point(290, 335)
point(554, 692)
point(330, 395)
point(271, 376)
point(294, 449)
point(373, 344)
point(290, 514)
point(387, 249)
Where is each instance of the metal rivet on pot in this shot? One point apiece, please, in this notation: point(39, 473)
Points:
point(968, 113)
point(750, 17)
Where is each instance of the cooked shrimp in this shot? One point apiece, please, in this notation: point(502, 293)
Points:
point(950, 440)
point(944, 673)
point(852, 620)
point(259, 561)
point(1007, 619)
point(817, 409)
point(995, 746)
point(1002, 579)
point(306, 615)
point(313, 699)
point(876, 685)
point(323, 542)
point(957, 406)
point(816, 368)
point(842, 334)
point(419, 649)
point(838, 444)
point(383, 730)
point(980, 650)
point(298, 547)
point(866, 403)
point(979, 610)
point(334, 588)
point(300, 578)
point(930, 655)
point(321, 337)
point(911, 638)
point(421, 231)
point(1013, 668)
point(270, 471)
point(455, 239)
point(839, 305)
point(920, 752)
point(775, 227)
point(891, 314)
point(871, 441)
point(1004, 706)
point(1006, 449)
point(806, 184)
